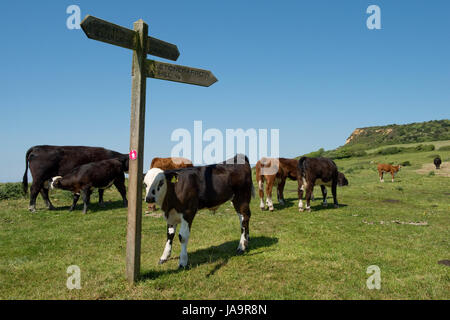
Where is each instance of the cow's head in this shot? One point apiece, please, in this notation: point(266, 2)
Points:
point(342, 180)
point(156, 186)
point(56, 182)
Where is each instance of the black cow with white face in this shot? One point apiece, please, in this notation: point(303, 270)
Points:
point(182, 192)
point(46, 162)
point(100, 174)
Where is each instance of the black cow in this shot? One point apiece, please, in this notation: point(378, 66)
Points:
point(101, 174)
point(182, 192)
point(437, 162)
point(317, 171)
point(46, 162)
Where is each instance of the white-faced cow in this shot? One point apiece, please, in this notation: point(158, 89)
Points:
point(100, 174)
point(317, 171)
point(168, 164)
point(274, 171)
point(46, 162)
point(182, 192)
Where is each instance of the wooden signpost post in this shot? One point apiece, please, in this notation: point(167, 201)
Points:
point(141, 44)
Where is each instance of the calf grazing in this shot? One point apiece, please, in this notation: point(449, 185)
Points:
point(101, 174)
point(168, 164)
point(317, 171)
point(182, 192)
point(274, 171)
point(437, 162)
point(382, 168)
point(46, 162)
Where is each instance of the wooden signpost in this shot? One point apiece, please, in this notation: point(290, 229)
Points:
point(141, 44)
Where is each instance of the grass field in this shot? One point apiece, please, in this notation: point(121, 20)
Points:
point(323, 254)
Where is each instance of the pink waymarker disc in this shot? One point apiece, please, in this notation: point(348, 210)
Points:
point(133, 155)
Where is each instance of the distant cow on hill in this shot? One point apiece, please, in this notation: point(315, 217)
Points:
point(168, 164)
point(274, 171)
point(382, 168)
point(182, 192)
point(437, 162)
point(101, 174)
point(317, 171)
point(46, 162)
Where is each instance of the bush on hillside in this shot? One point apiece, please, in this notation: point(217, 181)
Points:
point(444, 148)
point(11, 191)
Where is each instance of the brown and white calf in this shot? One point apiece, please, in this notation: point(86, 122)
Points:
point(317, 171)
point(382, 168)
point(182, 192)
point(168, 164)
point(274, 171)
point(100, 174)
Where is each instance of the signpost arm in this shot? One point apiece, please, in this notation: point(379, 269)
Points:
point(137, 127)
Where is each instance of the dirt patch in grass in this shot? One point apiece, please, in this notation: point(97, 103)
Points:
point(445, 262)
point(391, 200)
point(444, 171)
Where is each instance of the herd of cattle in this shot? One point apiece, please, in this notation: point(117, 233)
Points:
point(179, 188)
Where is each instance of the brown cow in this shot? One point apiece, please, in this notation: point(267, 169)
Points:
point(274, 171)
point(168, 164)
point(382, 168)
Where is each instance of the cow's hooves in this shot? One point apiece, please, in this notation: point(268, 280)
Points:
point(308, 209)
point(240, 252)
point(271, 209)
point(161, 261)
point(301, 209)
point(180, 267)
point(51, 208)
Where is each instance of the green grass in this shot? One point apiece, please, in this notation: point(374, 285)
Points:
point(319, 255)
point(437, 144)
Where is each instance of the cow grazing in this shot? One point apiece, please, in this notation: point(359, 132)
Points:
point(437, 162)
point(101, 174)
point(168, 164)
point(382, 168)
point(274, 171)
point(317, 171)
point(182, 192)
point(46, 162)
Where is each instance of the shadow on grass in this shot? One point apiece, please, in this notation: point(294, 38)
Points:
point(221, 253)
point(291, 202)
point(92, 208)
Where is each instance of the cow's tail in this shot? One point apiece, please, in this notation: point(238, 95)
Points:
point(25, 175)
point(302, 166)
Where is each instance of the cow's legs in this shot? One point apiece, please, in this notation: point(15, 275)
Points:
point(392, 174)
point(120, 185)
point(76, 196)
point(381, 176)
point(100, 197)
point(86, 195)
point(44, 193)
point(334, 191)
point(168, 248)
point(324, 194)
point(280, 190)
point(34, 191)
point(243, 212)
point(269, 186)
point(185, 230)
point(309, 191)
point(300, 194)
point(261, 194)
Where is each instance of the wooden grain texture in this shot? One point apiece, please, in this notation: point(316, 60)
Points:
point(177, 73)
point(137, 127)
point(105, 31)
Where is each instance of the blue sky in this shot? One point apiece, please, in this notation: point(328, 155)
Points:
point(309, 68)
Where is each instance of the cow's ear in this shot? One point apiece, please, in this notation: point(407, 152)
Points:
point(172, 177)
